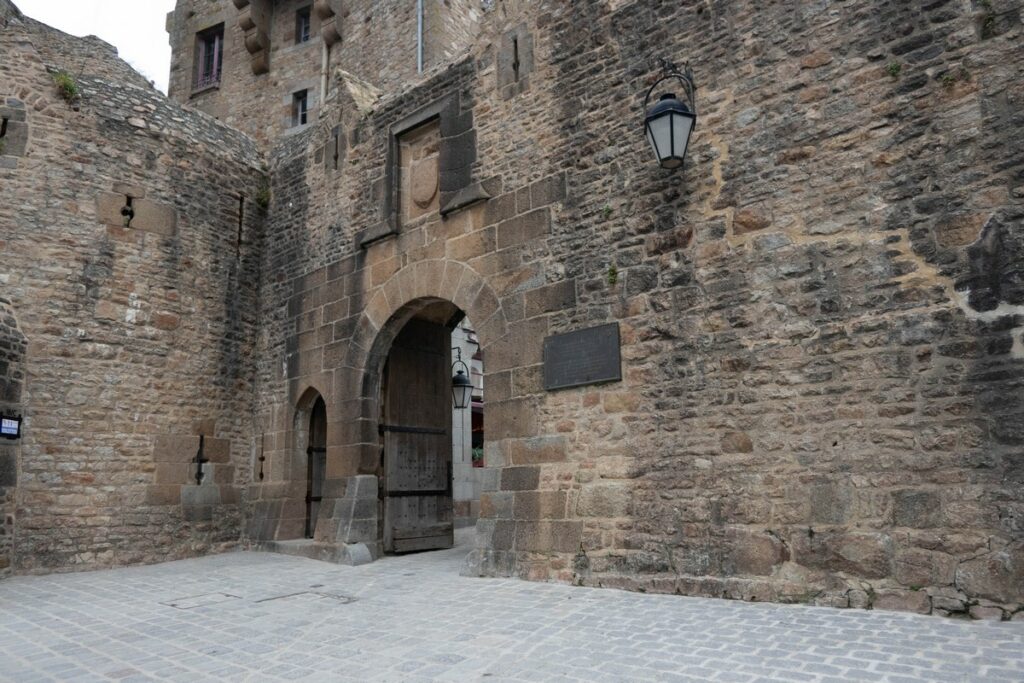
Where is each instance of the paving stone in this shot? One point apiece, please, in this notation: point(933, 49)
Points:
point(413, 618)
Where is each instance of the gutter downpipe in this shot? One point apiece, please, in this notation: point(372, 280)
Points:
point(419, 36)
point(325, 67)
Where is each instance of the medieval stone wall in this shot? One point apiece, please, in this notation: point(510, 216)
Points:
point(377, 41)
point(820, 314)
point(129, 258)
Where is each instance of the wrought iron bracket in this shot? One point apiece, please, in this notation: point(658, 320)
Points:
point(669, 71)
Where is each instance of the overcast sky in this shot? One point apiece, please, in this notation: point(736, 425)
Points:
point(134, 27)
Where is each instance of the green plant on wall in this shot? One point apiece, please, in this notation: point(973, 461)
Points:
point(67, 87)
point(894, 69)
point(263, 197)
point(988, 19)
point(613, 276)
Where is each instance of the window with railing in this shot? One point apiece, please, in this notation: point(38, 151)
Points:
point(209, 57)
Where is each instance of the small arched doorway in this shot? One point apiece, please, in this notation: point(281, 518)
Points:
point(426, 473)
point(316, 464)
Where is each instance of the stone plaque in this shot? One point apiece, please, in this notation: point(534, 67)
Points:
point(590, 356)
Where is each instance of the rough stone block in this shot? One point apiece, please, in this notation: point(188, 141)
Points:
point(512, 419)
point(108, 208)
point(472, 245)
point(554, 297)
point(986, 613)
point(917, 509)
point(522, 346)
point(863, 554)
point(604, 500)
point(175, 448)
point(903, 601)
point(500, 208)
point(752, 552)
point(831, 502)
point(558, 536)
point(154, 217)
point(217, 450)
point(525, 228)
point(520, 478)
point(163, 495)
point(206, 494)
point(918, 567)
point(548, 191)
point(15, 142)
point(538, 450)
point(998, 576)
point(175, 473)
point(736, 442)
point(496, 505)
point(539, 505)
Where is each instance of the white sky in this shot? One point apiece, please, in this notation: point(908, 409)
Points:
point(134, 27)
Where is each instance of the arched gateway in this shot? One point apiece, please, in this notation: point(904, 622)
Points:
point(388, 467)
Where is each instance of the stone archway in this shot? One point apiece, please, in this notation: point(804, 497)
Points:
point(357, 455)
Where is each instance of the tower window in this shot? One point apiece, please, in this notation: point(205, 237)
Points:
point(300, 108)
point(303, 25)
point(209, 56)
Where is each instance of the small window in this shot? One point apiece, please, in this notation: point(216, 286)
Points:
point(302, 25)
point(209, 56)
point(300, 108)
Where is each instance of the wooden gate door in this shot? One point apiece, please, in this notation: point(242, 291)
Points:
point(316, 465)
point(417, 441)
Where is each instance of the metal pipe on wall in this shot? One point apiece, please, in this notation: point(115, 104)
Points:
point(419, 36)
point(325, 67)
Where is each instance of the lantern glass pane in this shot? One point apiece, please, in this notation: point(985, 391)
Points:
point(683, 126)
point(659, 132)
point(462, 395)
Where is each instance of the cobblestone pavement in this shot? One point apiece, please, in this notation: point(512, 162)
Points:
point(261, 617)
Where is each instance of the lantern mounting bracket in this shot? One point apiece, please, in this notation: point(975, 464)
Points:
point(669, 71)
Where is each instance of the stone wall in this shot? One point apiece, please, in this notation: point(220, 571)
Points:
point(820, 314)
point(376, 41)
point(129, 257)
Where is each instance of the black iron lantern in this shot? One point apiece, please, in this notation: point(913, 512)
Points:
point(670, 122)
point(462, 386)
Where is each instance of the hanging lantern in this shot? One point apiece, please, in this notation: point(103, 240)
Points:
point(670, 122)
point(462, 386)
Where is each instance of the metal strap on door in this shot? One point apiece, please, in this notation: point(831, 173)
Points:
point(434, 431)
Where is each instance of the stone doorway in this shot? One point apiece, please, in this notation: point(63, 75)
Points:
point(427, 484)
point(316, 464)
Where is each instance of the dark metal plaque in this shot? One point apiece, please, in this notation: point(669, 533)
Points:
point(590, 356)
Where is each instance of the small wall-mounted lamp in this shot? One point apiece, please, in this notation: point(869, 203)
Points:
point(462, 386)
point(10, 427)
point(670, 122)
